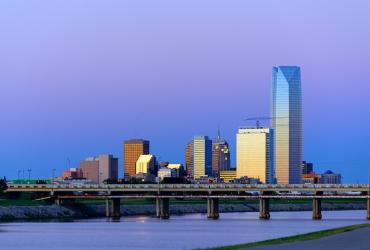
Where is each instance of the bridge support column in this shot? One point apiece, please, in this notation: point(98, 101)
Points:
point(113, 208)
point(316, 207)
point(212, 208)
point(58, 201)
point(163, 208)
point(264, 208)
point(368, 208)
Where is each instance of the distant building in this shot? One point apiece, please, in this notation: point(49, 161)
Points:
point(200, 152)
point(286, 111)
point(220, 156)
point(145, 164)
point(166, 172)
point(227, 175)
point(331, 178)
point(188, 159)
point(72, 174)
point(311, 178)
point(132, 149)
point(246, 180)
point(307, 167)
point(99, 169)
point(254, 154)
point(177, 168)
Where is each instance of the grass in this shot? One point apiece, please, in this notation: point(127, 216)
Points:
point(300, 237)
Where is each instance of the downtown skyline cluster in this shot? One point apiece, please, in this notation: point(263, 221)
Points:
point(263, 154)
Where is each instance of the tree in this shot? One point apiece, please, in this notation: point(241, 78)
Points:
point(3, 185)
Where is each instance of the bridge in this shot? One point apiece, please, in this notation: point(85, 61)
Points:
point(113, 193)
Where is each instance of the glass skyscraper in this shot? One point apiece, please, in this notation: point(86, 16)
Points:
point(286, 120)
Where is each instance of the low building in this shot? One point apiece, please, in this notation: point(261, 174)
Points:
point(247, 180)
point(72, 174)
point(100, 168)
point(178, 168)
point(228, 175)
point(311, 178)
point(166, 172)
point(331, 178)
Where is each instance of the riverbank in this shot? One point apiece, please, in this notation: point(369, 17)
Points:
point(79, 210)
point(337, 238)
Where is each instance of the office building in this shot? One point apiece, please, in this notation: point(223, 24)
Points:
point(188, 161)
point(220, 156)
point(311, 178)
point(199, 157)
point(177, 168)
point(331, 178)
point(307, 167)
point(286, 111)
point(132, 149)
point(254, 154)
point(228, 175)
point(99, 169)
point(145, 164)
point(166, 172)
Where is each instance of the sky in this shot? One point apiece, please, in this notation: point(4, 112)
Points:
point(79, 77)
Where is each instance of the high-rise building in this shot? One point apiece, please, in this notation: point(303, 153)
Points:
point(286, 111)
point(307, 167)
point(145, 164)
point(199, 151)
point(254, 154)
point(99, 169)
point(132, 149)
point(220, 156)
point(188, 159)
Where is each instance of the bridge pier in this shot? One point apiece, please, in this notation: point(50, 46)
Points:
point(113, 208)
point(316, 207)
point(212, 208)
point(264, 208)
point(163, 208)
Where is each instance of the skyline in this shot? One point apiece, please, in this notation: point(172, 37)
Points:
point(65, 96)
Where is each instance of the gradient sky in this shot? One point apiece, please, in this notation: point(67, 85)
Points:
point(79, 77)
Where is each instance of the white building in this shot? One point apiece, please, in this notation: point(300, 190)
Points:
point(254, 154)
point(166, 172)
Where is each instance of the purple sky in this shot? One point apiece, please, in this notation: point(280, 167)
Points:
point(79, 77)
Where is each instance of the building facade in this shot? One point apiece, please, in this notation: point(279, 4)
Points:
point(228, 175)
point(331, 178)
point(286, 112)
point(132, 149)
point(307, 167)
point(188, 159)
point(254, 154)
point(99, 169)
point(220, 156)
point(145, 164)
point(199, 152)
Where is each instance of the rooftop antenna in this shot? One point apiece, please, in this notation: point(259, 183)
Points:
point(218, 132)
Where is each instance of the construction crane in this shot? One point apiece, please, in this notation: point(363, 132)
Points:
point(258, 119)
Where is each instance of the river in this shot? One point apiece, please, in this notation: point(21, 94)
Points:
point(179, 232)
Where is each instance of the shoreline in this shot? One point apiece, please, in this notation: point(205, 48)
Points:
point(299, 238)
point(83, 211)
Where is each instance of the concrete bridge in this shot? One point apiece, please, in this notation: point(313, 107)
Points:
point(113, 193)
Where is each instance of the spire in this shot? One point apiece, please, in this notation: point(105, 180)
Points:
point(218, 133)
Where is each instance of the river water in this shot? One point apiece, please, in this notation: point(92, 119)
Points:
point(179, 232)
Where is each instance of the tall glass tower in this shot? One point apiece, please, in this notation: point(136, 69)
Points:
point(286, 113)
